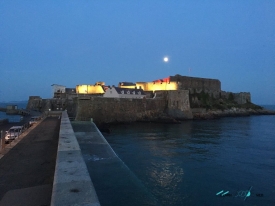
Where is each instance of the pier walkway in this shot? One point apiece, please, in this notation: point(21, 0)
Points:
point(27, 170)
point(55, 162)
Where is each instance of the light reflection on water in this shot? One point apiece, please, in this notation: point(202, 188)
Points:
point(188, 164)
point(166, 175)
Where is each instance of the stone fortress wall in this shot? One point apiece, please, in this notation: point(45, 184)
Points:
point(178, 104)
point(171, 96)
point(210, 86)
point(240, 98)
point(38, 104)
point(191, 83)
point(105, 110)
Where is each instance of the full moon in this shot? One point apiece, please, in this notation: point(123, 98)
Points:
point(165, 59)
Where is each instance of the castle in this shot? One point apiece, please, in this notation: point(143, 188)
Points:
point(175, 96)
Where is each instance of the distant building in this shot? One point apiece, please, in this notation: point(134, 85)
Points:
point(57, 89)
point(116, 92)
point(12, 107)
point(70, 91)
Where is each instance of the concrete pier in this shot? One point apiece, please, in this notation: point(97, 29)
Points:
point(27, 166)
point(114, 182)
point(72, 183)
point(45, 167)
point(53, 165)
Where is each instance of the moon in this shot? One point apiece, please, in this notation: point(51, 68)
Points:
point(165, 59)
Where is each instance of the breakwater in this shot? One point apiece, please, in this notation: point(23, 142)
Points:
point(15, 111)
point(83, 153)
point(72, 183)
point(114, 182)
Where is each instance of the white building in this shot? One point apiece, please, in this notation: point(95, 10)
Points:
point(116, 92)
point(58, 88)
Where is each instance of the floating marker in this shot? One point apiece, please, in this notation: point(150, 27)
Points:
point(225, 193)
point(248, 193)
point(219, 192)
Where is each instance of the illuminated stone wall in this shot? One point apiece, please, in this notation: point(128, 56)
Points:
point(179, 82)
point(157, 86)
point(126, 87)
point(89, 89)
point(171, 83)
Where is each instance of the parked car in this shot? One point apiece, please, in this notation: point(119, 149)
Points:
point(13, 133)
point(34, 120)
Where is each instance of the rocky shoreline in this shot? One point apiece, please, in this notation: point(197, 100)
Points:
point(198, 114)
point(234, 112)
point(202, 113)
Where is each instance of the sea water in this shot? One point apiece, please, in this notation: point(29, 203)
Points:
point(12, 118)
point(189, 163)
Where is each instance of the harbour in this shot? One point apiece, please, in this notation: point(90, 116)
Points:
point(179, 164)
point(189, 163)
point(119, 103)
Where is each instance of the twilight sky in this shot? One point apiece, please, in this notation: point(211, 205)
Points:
point(82, 42)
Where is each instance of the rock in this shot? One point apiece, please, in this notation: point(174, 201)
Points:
point(233, 112)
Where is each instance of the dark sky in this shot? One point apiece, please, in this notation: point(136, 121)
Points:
point(82, 42)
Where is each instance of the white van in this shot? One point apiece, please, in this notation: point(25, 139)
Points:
point(13, 133)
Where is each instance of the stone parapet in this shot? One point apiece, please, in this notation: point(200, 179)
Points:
point(173, 104)
point(107, 110)
point(191, 83)
point(72, 183)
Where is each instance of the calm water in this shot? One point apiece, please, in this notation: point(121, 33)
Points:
point(188, 163)
point(12, 118)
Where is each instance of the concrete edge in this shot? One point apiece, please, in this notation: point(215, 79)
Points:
point(103, 138)
point(72, 183)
